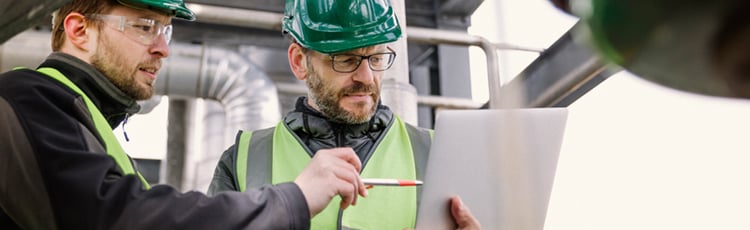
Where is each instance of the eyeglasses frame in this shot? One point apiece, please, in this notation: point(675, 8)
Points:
point(391, 60)
point(164, 31)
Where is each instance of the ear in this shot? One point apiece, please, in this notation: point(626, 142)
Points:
point(297, 61)
point(76, 31)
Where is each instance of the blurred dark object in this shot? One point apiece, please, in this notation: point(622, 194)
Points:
point(695, 45)
point(731, 51)
point(562, 4)
point(18, 16)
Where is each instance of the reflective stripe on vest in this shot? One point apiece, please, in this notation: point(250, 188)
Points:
point(113, 147)
point(385, 208)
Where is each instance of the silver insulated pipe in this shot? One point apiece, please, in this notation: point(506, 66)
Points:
point(246, 94)
point(249, 97)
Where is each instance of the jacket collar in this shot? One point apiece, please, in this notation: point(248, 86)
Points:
point(308, 121)
point(114, 104)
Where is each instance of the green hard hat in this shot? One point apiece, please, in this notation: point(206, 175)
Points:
point(331, 26)
point(176, 8)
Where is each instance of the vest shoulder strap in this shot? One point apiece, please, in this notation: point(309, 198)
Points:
point(254, 168)
point(420, 139)
point(111, 144)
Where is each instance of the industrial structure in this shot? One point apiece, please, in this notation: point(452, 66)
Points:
point(230, 66)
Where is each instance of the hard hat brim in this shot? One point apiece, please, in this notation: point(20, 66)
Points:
point(175, 8)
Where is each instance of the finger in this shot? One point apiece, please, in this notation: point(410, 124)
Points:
point(456, 205)
point(353, 178)
point(345, 166)
point(350, 158)
point(356, 189)
point(461, 214)
point(347, 154)
point(342, 164)
point(341, 170)
point(339, 158)
point(354, 160)
point(362, 188)
point(347, 193)
point(352, 183)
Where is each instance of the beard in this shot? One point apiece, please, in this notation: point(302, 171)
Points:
point(327, 99)
point(115, 68)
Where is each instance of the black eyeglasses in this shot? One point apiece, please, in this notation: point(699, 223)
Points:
point(347, 63)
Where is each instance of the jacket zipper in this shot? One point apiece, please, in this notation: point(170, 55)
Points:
point(124, 133)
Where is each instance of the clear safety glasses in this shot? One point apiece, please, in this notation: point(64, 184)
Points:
point(347, 63)
point(142, 30)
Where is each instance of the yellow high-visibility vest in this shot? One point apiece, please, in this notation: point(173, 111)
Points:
point(385, 207)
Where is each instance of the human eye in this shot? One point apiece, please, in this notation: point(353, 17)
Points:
point(377, 59)
point(144, 26)
point(345, 60)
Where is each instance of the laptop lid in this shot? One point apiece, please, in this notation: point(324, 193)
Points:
point(501, 163)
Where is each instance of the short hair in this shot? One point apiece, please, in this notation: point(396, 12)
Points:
point(85, 7)
point(305, 50)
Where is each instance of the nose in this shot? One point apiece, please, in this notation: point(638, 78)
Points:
point(363, 73)
point(160, 47)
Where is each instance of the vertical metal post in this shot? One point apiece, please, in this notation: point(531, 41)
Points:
point(396, 92)
point(400, 69)
point(493, 73)
point(176, 142)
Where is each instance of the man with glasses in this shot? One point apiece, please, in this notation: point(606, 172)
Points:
point(340, 49)
point(62, 168)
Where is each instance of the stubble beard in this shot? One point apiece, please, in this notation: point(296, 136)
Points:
point(327, 99)
point(115, 68)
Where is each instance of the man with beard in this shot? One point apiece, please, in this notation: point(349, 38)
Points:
point(340, 49)
point(62, 168)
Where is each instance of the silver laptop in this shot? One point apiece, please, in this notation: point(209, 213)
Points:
point(501, 163)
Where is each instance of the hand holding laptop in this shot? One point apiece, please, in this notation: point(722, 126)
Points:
point(462, 215)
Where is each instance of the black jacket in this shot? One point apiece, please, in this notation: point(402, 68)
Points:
point(55, 173)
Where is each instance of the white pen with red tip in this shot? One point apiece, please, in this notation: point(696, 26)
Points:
point(391, 182)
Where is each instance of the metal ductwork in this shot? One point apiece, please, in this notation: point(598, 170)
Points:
point(27, 49)
point(221, 74)
point(18, 16)
point(246, 94)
